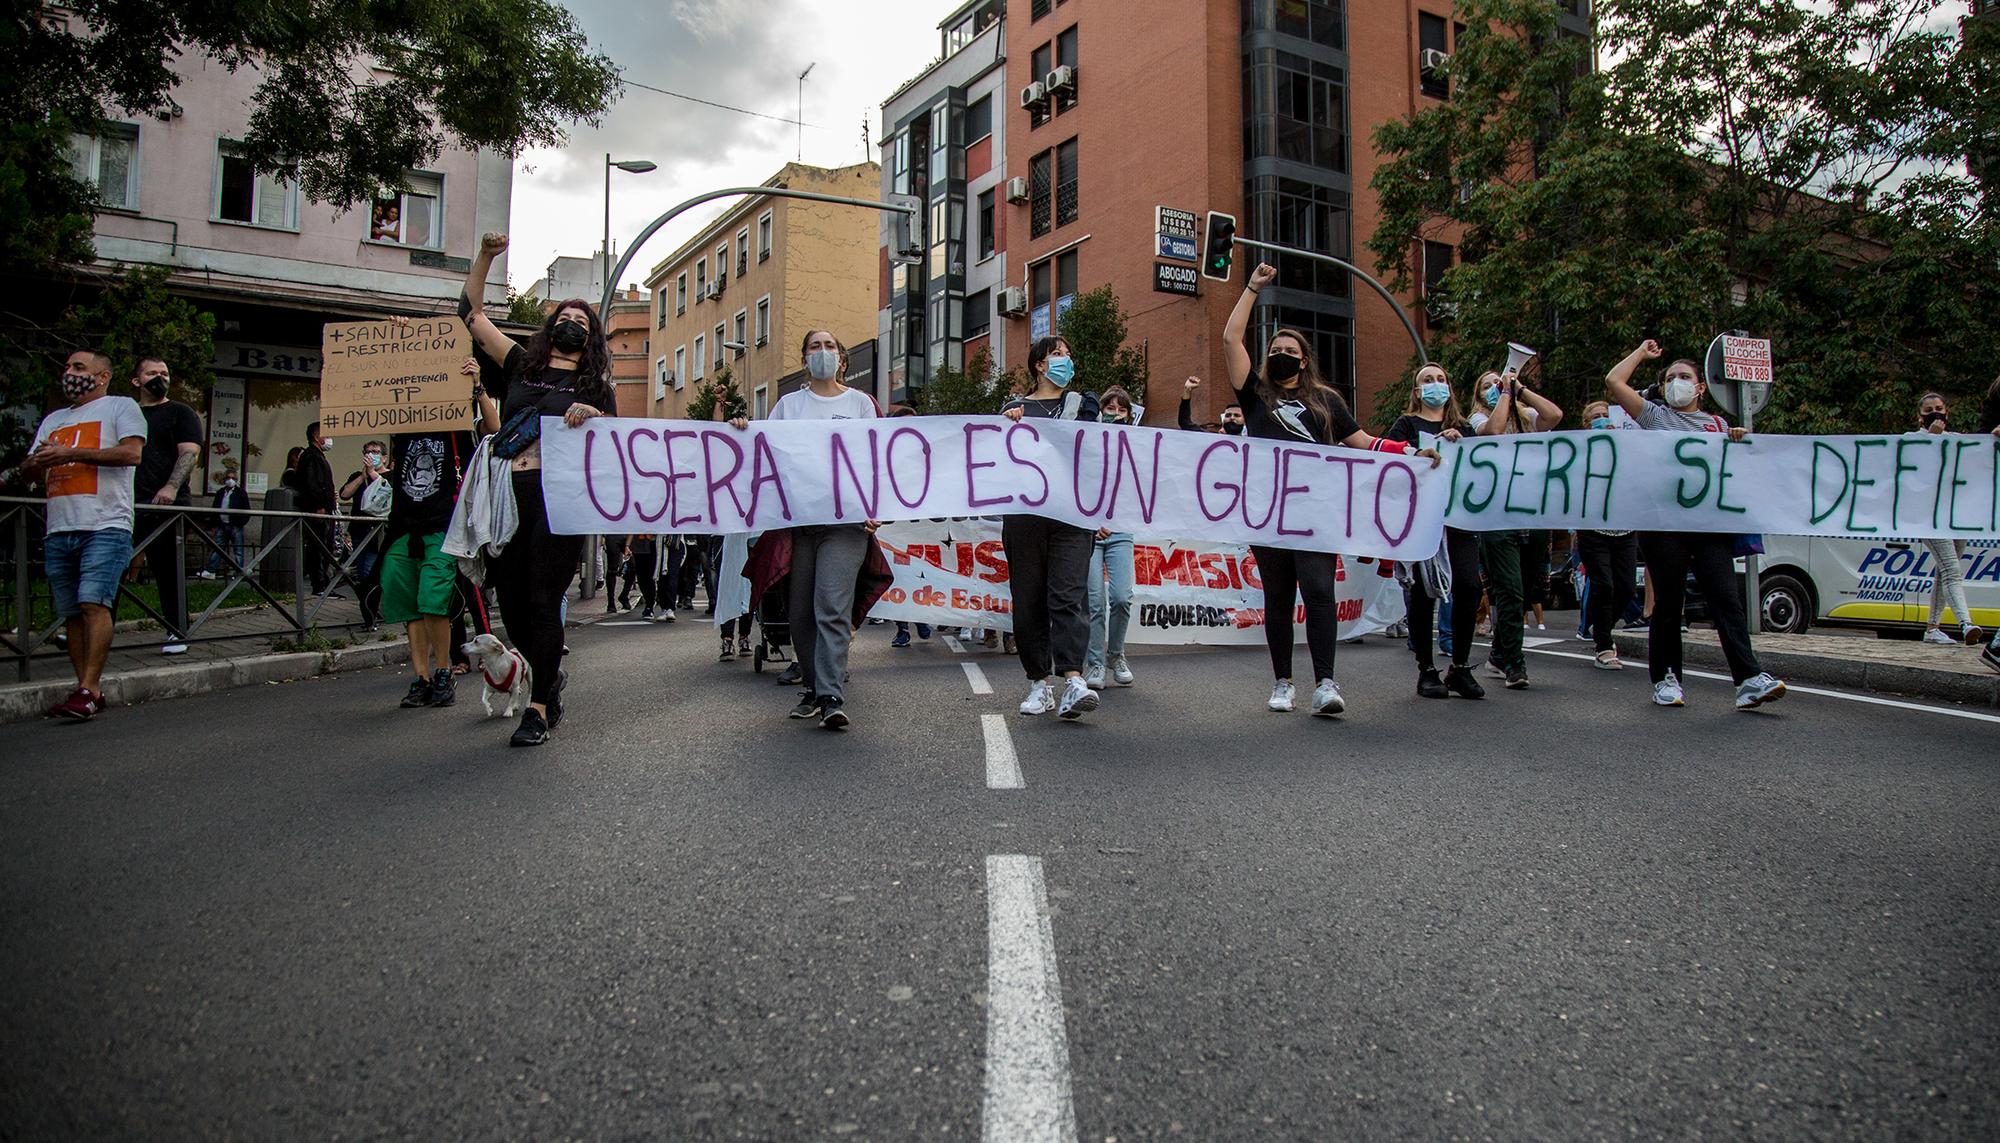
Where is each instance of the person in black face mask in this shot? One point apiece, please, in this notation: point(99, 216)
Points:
point(1231, 422)
point(173, 448)
point(564, 371)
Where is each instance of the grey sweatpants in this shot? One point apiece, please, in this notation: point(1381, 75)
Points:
point(826, 563)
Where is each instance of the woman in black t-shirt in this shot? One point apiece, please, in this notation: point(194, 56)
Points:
point(564, 371)
point(1289, 400)
point(1432, 411)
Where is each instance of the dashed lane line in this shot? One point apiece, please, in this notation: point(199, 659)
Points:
point(1028, 1094)
point(1003, 767)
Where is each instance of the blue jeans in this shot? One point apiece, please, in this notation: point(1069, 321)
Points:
point(1110, 602)
point(85, 567)
point(226, 536)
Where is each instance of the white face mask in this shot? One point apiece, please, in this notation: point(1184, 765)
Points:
point(823, 364)
point(1679, 392)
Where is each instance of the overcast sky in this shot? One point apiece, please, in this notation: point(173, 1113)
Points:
point(745, 53)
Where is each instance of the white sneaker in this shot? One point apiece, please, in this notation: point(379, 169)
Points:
point(667, 616)
point(1121, 672)
point(1326, 699)
point(1758, 690)
point(204, 575)
point(1077, 698)
point(174, 649)
point(1281, 697)
point(1541, 627)
point(1041, 699)
point(1667, 692)
point(1093, 678)
point(1973, 634)
point(1940, 638)
point(967, 634)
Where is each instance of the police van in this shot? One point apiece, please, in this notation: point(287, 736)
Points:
point(1884, 584)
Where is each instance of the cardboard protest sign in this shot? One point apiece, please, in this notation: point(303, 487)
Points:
point(394, 377)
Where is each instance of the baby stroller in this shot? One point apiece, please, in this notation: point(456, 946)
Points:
point(774, 628)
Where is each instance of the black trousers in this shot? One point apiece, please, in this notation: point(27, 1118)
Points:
point(1463, 548)
point(531, 573)
point(1611, 562)
point(169, 575)
point(642, 574)
point(1670, 556)
point(1287, 576)
point(319, 553)
point(1048, 564)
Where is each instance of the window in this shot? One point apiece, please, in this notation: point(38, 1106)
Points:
point(660, 317)
point(899, 161)
point(1309, 216)
point(986, 218)
point(721, 336)
point(722, 265)
point(1038, 9)
point(1066, 206)
point(1437, 262)
point(1295, 109)
point(109, 161)
point(1321, 21)
point(659, 378)
point(700, 278)
point(1065, 275)
point(742, 327)
point(960, 35)
point(764, 319)
point(763, 402)
point(243, 195)
point(1041, 194)
point(978, 314)
point(1431, 32)
point(763, 236)
point(978, 119)
point(680, 294)
point(742, 252)
point(1066, 54)
point(1039, 63)
point(410, 217)
point(680, 366)
point(1038, 285)
point(700, 356)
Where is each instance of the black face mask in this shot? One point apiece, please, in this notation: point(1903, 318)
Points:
point(1233, 428)
point(1282, 367)
point(569, 336)
point(156, 387)
point(1932, 418)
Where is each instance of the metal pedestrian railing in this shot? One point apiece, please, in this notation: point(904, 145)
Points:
point(278, 558)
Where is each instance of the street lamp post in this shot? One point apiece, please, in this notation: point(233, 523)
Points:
point(631, 166)
point(739, 347)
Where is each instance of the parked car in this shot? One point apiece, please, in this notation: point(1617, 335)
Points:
point(1881, 584)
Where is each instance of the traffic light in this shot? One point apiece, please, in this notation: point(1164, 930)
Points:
point(1220, 248)
point(905, 244)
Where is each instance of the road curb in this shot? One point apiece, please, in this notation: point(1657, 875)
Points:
point(25, 703)
point(1977, 689)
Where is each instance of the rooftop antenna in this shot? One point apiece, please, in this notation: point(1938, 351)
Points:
point(802, 108)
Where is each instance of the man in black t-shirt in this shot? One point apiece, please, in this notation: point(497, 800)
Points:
point(173, 448)
point(425, 470)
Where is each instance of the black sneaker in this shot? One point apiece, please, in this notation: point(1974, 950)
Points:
point(728, 651)
point(533, 731)
point(809, 706)
point(419, 694)
point(443, 691)
point(793, 676)
point(831, 714)
point(1517, 678)
point(646, 614)
point(555, 700)
point(1429, 685)
point(1459, 681)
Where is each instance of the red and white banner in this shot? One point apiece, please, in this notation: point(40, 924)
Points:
point(953, 573)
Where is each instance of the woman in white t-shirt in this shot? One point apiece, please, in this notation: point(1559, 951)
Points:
point(826, 558)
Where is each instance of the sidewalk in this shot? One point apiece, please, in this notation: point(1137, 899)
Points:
point(137, 672)
point(1894, 666)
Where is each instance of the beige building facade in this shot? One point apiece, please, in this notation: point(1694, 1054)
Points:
point(760, 276)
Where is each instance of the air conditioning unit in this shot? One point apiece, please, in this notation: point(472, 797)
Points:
point(1033, 93)
point(1013, 302)
point(1059, 79)
point(1017, 189)
point(1431, 59)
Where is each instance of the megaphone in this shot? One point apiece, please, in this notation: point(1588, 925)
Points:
point(1518, 356)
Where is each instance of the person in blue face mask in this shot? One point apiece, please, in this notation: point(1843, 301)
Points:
point(1430, 416)
point(1610, 560)
point(1048, 561)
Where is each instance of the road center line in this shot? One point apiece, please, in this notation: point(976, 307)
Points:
point(957, 648)
point(1003, 768)
point(977, 678)
point(1028, 1097)
point(1793, 688)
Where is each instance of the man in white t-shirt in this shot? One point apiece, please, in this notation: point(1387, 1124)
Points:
point(86, 455)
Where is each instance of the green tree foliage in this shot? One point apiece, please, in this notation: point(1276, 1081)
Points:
point(975, 391)
point(718, 385)
point(504, 74)
point(524, 309)
point(1762, 165)
point(1094, 327)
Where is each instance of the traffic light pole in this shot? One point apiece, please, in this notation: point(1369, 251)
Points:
point(1423, 358)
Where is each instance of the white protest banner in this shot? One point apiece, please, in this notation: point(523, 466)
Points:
point(953, 573)
point(622, 475)
point(1915, 486)
point(394, 377)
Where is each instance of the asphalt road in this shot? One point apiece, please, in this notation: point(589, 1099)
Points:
point(299, 912)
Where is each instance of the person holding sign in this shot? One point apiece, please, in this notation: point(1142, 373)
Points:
point(564, 371)
point(1048, 561)
point(1289, 400)
point(1517, 563)
point(1948, 577)
point(1110, 578)
point(1670, 556)
point(1432, 415)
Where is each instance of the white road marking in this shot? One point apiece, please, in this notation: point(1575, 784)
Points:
point(626, 623)
point(1003, 768)
point(1795, 689)
point(957, 648)
point(1028, 1097)
point(977, 678)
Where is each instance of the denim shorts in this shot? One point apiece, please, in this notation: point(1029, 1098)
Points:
point(85, 567)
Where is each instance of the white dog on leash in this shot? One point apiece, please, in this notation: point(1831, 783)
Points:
point(504, 672)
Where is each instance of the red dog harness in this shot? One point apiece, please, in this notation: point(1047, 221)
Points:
point(513, 672)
